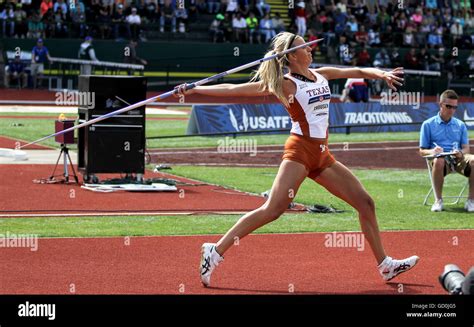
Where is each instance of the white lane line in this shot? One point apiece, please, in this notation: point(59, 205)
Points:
point(254, 234)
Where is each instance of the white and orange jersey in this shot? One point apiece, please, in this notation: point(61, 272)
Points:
point(309, 110)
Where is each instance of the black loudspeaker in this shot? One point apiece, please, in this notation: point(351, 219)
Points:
point(116, 144)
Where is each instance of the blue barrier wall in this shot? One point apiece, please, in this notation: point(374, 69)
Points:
point(233, 118)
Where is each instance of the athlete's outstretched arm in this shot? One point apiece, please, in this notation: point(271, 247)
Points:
point(392, 78)
point(224, 90)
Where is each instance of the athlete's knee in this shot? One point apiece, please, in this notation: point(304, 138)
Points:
point(366, 204)
point(274, 212)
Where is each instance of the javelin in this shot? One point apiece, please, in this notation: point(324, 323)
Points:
point(169, 93)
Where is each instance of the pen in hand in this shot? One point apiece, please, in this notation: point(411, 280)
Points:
point(437, 146)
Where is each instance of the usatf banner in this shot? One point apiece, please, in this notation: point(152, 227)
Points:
point(237, 118)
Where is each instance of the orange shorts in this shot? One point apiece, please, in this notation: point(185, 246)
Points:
point(312, 153)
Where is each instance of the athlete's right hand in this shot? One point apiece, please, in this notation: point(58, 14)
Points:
point(180, 90)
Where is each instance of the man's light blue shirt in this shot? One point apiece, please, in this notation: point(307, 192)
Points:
point(450, 135)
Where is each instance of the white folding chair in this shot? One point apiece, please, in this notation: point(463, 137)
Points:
point(455, 198)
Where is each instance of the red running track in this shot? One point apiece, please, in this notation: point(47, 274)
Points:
point(261, 264)
point(9, 143)
point(19, 195)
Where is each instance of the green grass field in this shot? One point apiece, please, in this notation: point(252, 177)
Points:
point(398, 194)
point(30, 130)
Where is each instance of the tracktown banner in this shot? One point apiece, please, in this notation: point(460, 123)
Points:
point(237, 118)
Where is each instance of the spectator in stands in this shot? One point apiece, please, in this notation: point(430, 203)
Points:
point(239, 25)
point(374, 37)
point(130, 54)
point(86, 50)
point(387, 37)
point(39, 55)
point(408, 38)
point(133, 24)
point(432, 4)
point(45, 6)
point(300, 20)
point(359, 10)
point(168, 17)
point(383, 19)
point(278, 23)
point(363, 58)
point(361, 36)
point(417, 17)
point(35, 26)
point(104, 21)
point(401, 22)
point(181, 18)
point(395, 58)
point(216, 29)
point(244, 7)
point(232, 6)
point(266, 28)
point(213, 6)
point(382, 59)
point(435, 38)
point(21, 28)
point(60, 27)
point(469, 23)
point(49, 23)
point(371, 18)
point(119, 21)
point(353, 25)
point(340, 20)
point(252, 25)
point(420, 38)
point(27, 7)
point(342, 6)
point(437, 60)
point(227, 27)
point(411, 59)
point(7, 20)
point(470, 62)
point(150, 12)
point(15, 71)
point(445, 133)
point(456, 30)
point(424, 59)
point(78, 18)
point(344, 51)
point(74, 4)
point(263, 7)
point(60, 4)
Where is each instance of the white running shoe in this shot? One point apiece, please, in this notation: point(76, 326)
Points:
point(469, 206)
point(209, 260)
point(437, 206)
point(389, 268)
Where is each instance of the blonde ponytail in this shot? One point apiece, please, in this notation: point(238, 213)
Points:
point(270, 72)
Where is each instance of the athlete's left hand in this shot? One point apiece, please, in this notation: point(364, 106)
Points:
point(393, 78)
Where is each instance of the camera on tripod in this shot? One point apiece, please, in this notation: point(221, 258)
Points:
point(455, 282)
point(62, 124)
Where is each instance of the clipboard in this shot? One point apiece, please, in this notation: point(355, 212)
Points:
point(438, 155)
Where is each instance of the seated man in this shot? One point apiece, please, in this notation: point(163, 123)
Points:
point(15, 71)
point(445, 133)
